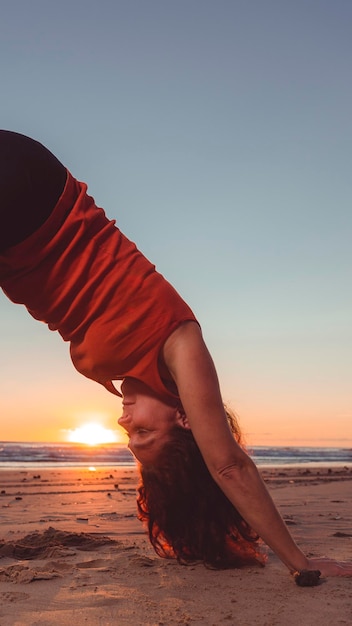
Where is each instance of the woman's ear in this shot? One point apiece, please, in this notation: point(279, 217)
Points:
point(181, 419)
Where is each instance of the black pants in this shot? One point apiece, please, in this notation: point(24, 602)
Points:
point(31, 182)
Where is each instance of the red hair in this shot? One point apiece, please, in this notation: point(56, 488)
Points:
point(187, 515)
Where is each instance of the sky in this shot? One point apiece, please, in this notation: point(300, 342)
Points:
point(218, 135)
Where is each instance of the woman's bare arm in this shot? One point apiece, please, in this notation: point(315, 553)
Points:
point(192, 368)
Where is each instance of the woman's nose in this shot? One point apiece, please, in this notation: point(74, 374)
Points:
point(124, 419)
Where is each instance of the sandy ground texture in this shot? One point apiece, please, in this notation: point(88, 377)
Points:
point(72, 553)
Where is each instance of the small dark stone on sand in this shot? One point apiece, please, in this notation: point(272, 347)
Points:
point(307, 578)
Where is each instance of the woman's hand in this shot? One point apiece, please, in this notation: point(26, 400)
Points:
point(330, 567)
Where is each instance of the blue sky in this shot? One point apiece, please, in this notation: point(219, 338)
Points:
point(218, 134)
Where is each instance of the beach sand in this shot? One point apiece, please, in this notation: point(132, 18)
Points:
point(73, 553)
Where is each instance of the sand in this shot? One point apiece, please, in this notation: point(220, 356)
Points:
point(72, 553)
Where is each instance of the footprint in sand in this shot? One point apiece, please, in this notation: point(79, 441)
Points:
point(142, 561)
point(94, 564)
point(13, 596)
point(58, 566)
point(23, 574)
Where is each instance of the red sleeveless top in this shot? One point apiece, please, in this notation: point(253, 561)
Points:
point(80, 275)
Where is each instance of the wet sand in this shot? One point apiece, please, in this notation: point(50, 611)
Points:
point(73, 552)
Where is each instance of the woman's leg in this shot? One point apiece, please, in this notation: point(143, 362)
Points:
point(31, 182)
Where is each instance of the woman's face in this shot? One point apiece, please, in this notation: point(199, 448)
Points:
point(146, 419)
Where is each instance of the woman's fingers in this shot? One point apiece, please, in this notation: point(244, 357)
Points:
point(330, 567)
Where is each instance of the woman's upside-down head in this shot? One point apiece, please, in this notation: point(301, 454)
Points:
point(188, 516)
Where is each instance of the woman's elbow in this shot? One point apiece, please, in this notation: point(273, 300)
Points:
point(235, 468)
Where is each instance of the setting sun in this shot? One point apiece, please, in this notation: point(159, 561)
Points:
point(92, 434)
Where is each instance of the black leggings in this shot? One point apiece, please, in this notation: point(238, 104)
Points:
point(31, 182)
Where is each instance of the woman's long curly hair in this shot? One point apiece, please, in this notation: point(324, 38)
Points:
point(188, 516)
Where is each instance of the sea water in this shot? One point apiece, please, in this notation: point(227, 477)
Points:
point(31, 455)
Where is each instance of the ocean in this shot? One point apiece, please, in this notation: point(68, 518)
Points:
point(35, 455)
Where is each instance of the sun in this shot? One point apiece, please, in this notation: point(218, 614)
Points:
point(92, 434)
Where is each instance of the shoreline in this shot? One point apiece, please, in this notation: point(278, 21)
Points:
point(13, 466)
point(73, 550)
point(30, 455)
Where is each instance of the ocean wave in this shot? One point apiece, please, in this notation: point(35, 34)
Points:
point(33, 454)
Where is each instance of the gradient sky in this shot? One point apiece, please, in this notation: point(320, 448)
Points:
point(218, 134)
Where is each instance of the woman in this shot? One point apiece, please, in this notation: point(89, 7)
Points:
point(74, 270)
